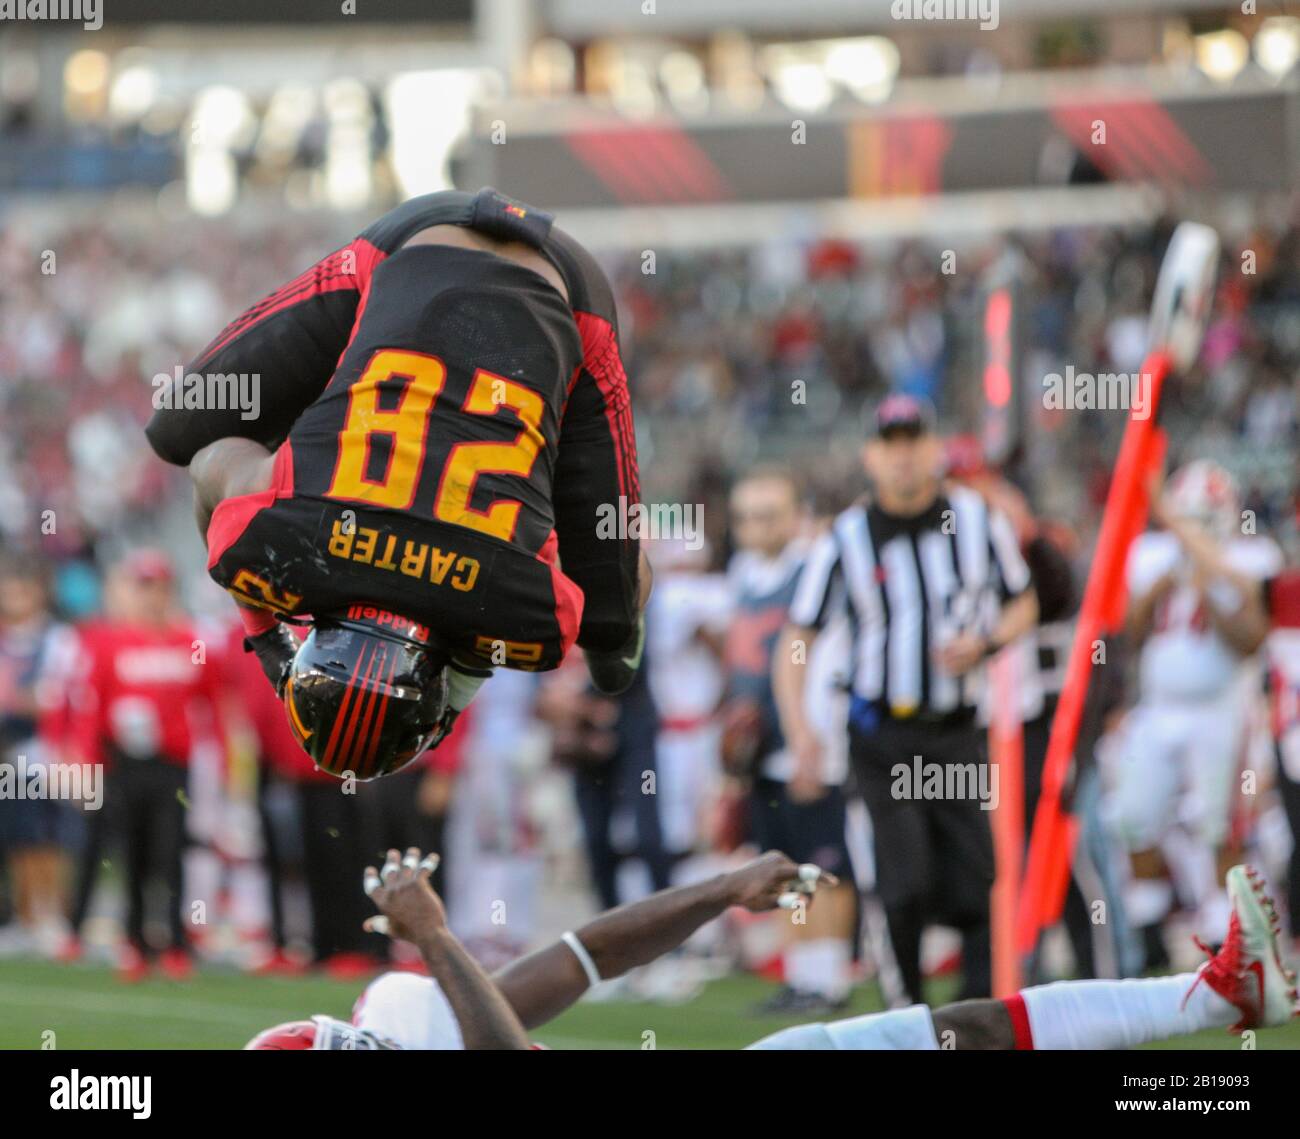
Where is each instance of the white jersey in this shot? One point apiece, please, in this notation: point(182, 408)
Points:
point(1184, 659)
point(1283, 649)
point(686, 678)
point(826, 696)
point(407, 1011)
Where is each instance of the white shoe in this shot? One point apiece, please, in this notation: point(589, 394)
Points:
point(1247, 971)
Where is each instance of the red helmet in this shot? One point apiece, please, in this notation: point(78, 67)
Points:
point(292, 1036)
point(1206, 493)
point(321, 1033)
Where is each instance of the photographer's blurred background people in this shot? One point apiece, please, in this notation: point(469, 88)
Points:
point(145, 691)
point(791, 810)
point(1197, 620)
point(609, 745)
point(35, 833)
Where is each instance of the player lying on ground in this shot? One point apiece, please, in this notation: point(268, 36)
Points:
point(444, 422)
point(1244, 985)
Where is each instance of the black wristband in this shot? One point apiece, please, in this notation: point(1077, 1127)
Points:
point(275, 649)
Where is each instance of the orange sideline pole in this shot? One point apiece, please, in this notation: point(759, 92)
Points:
point(1006, 765)
point(1054, 832)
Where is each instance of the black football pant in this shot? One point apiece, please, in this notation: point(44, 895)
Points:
point(934, 856)
point(602, 789)
point(273, 857)
point(336, 851)
point(144, 808)
point(154, 829)
point(96, 835)
point(396, 819)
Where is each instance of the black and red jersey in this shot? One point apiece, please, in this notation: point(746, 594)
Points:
point(448, 426)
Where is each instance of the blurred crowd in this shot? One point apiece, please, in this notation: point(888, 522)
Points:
point(216, 838)
point(765, 352)
point(718, 343)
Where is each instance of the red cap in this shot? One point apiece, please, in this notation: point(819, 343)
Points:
point(149, 565)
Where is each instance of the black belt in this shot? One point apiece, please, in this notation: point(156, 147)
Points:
point(958, 719)
point(867, 715)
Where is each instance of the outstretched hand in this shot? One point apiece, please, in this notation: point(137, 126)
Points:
point(773, 880)
point(408, 907)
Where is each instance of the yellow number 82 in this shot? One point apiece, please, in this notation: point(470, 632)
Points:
point(407, 426)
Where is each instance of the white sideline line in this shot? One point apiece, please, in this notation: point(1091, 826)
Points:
point(131, 1005)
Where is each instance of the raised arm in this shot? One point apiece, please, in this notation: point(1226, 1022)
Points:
point(542, 985)
point(412, 911)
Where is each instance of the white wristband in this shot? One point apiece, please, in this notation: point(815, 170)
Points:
point(463, 686)
point(584, 958)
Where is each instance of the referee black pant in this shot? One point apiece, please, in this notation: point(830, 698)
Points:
point(933, 853)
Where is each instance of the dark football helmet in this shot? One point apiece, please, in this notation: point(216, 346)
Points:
point(366, 692)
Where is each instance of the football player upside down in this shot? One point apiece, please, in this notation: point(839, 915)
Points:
point(443, 412)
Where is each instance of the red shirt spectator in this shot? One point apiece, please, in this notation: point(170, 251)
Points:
point(142, 688)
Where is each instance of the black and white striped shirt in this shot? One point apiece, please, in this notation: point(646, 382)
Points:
point(909, 585)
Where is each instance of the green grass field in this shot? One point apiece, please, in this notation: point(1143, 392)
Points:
point(86, 1008)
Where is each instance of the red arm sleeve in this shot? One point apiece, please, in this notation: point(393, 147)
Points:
point(596, 467)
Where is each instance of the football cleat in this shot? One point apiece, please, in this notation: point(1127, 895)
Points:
point(176, 964)
point(69, 950)
point(1247, 971)
point(132, 965)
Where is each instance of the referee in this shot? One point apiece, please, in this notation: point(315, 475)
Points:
point(934, 585)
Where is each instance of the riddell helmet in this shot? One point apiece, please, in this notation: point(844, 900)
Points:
point(366, 692)
point(1204, 492)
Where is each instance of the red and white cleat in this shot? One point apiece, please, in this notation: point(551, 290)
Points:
point(176, 964)
point(132, 965)
point(1248, 971)
point(69, 950)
